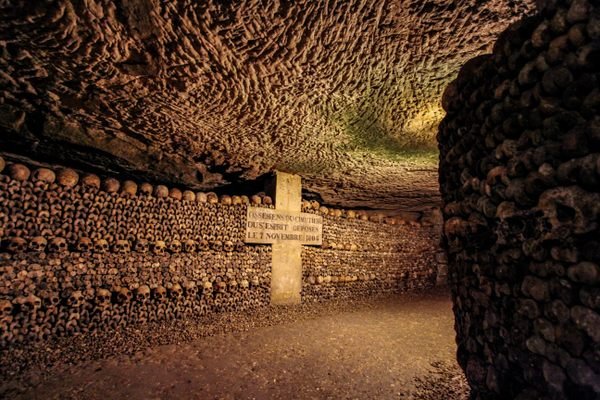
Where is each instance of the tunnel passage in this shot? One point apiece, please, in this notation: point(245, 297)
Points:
point(520, 180)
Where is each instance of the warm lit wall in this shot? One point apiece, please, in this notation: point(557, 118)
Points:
point(362, 258)
point(79, 253)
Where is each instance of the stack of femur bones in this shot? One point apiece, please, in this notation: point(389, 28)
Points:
point(80, 254)
point(520, 178)
point(359, 258)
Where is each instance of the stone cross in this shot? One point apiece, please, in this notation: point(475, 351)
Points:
point(286, 229)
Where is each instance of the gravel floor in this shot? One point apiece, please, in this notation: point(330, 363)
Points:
point(388, 348)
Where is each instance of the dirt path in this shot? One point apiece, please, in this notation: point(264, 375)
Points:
point(381, 352)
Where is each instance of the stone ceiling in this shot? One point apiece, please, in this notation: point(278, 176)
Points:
point(204, 93)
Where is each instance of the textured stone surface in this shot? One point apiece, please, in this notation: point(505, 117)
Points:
point(345, 93)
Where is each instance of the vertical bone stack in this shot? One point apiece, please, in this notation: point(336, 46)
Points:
point(520, 179)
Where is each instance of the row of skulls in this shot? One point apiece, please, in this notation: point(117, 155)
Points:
point(69, 178)
point(104, 298)
point(313, 206)
point(60, 245)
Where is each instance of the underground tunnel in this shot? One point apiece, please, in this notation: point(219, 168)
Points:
point(323, 199)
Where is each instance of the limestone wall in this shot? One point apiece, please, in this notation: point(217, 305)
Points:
point(520, 176)
point(81, 253)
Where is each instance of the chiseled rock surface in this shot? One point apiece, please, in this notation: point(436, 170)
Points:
point(202, 93)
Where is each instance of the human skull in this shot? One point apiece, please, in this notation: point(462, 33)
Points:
point(323, 210)
point(57, 245)
point(228, 246)
point(212, 198)
point(175, 193)
point(204, 245)
point(221, 286)
point(67, 177)
point(267, 200)
point(256, 200)
point(175, 291)
point(142, 294)
point(201, 197)
point(122, 295)
point(141, 246)
point(84, 244)
point(43, 175)
point(101, 246)
point(160, 294)
point(240, 246)
point(122, 246)
point(18, 172)
point(207, 288)
point(306, 205)
point(315, 205)
point(236, 200)
point(350, 214)
point(129, 188)
point(245, 199)
point(146, 189)
point(188, 195)
point(111, 185)
point(226, 200)
point(17, 245)
point(29, 304)
point(159, 247)
point(75, 299)
point(175, 246)
point(161, 191)
point(102, 298)
point(91, 180)
point(38, 244)
point(189, 246)
point(217, 245)
point(190, 289)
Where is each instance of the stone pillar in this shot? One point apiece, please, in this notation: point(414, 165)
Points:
point(286, 275)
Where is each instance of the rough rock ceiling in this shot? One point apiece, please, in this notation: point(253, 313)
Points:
point(202, 93)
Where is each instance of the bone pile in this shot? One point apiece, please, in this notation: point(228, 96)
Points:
point(366, 255)
point(520, 178)
point(80, 254)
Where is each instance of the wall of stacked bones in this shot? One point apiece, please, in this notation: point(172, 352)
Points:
point(520, 176)
point(79, 253)
point(361, 258)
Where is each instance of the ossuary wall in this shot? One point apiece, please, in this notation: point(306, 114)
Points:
point(520, 180)
point(361, 258)
point(80, 253)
